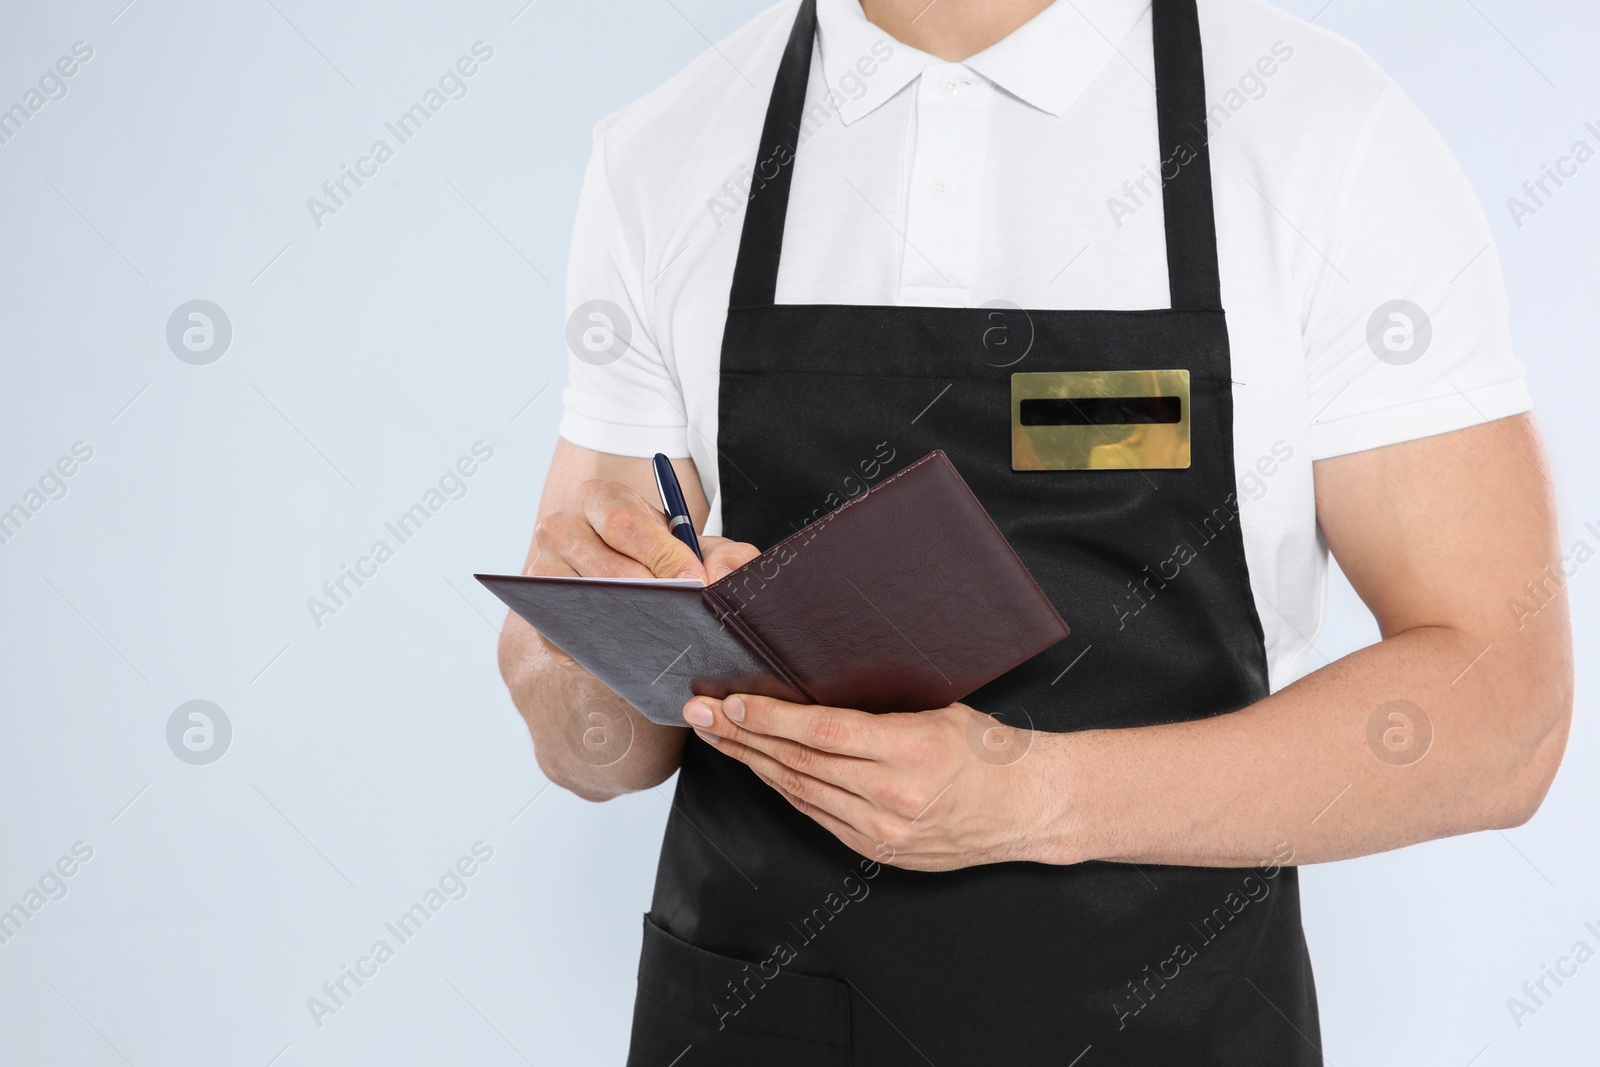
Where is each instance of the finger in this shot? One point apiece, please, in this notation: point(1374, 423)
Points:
point(569, 546)
point(823, 796)
point(840, 731)
point(858, 776)
point(723, 557)
point(853, 838)
point(637, 530)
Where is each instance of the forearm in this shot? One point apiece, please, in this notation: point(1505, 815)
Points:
point(1299, 768)
point(585, 737)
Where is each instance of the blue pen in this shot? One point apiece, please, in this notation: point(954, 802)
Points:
point(673, 503)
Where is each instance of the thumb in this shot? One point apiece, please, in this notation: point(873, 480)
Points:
point(723, 557)
point(671, 558)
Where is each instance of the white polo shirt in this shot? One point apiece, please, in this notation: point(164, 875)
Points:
point(1363, 293)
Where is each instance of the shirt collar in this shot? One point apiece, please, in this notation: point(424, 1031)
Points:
point(1047, 62)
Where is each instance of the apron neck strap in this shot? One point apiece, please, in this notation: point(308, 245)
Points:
point(1192, 273)
point(755, 274)
point(1191, 227)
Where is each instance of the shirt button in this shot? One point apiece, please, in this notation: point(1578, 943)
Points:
point(939, 189)
point(952, 86)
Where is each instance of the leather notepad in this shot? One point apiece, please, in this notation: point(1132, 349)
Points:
point(905, 598)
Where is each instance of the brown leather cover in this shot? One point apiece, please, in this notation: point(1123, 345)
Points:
point(905, 598)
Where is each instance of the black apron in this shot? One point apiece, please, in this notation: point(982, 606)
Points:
point(768, 941)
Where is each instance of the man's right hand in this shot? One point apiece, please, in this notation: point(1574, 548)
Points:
point(608, 529)
point(598, 518)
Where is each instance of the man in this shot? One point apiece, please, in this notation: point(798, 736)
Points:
point(813, 250)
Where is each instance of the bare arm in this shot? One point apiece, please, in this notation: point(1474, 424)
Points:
point(598, 516)
point(1439, 536)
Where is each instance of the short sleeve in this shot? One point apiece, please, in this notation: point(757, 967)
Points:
point(620, 397)
point(1406, 331)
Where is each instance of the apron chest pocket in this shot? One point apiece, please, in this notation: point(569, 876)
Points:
point(686, 1007)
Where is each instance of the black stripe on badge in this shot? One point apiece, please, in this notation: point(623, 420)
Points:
point(1102, 411)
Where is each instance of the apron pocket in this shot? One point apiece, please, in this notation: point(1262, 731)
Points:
point(772, 1016)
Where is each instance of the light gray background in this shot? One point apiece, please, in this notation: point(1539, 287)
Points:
point(372, 752)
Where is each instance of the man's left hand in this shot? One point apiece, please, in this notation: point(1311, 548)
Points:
point(928, 791)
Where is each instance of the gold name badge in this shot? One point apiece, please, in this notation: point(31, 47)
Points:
point(1100, 420)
